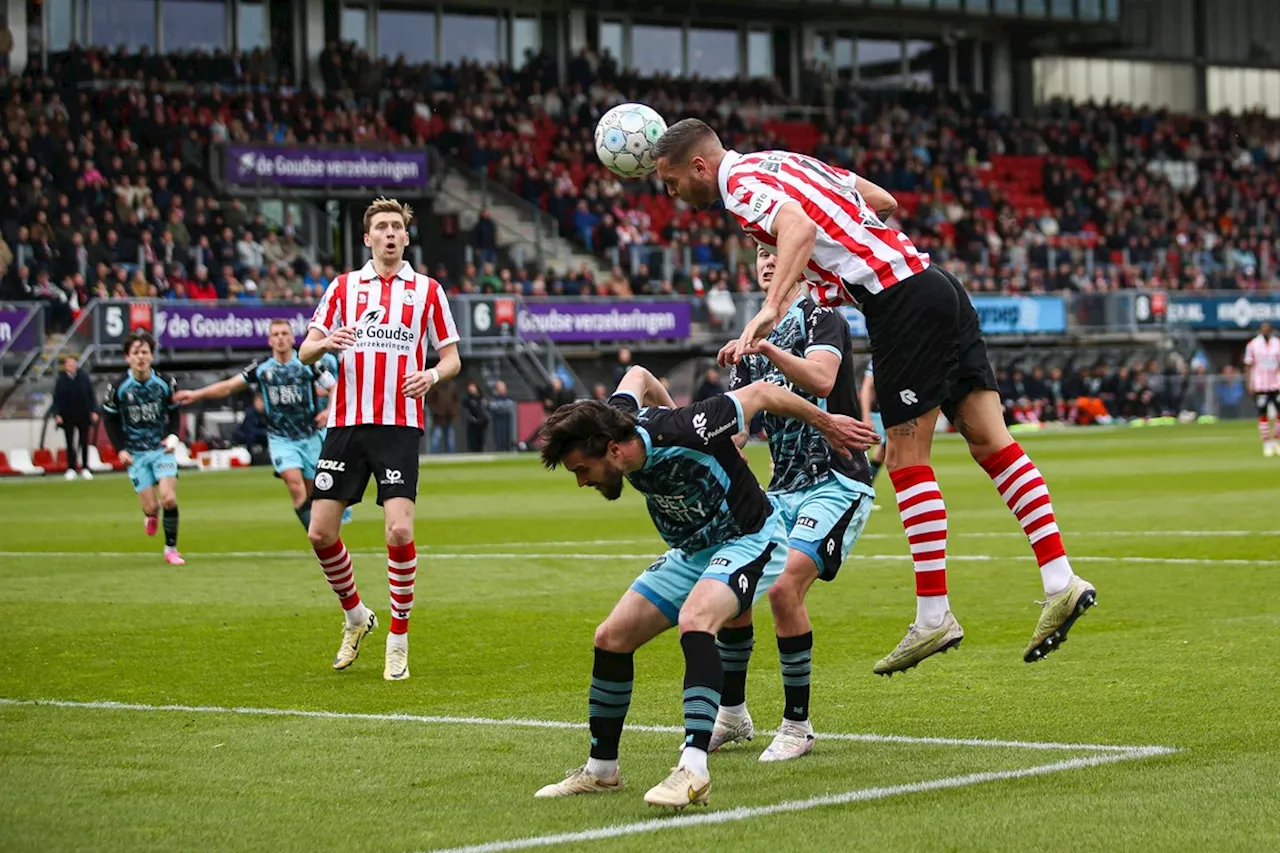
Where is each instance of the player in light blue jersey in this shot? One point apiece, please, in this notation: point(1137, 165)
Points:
point(141, 416)
point(292, 395)
point(822, 497)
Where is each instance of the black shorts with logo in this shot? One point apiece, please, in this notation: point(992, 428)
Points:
point(351, 455)
point(926, 345)
point(1265, 401)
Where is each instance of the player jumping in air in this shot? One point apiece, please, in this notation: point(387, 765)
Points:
point(380, 321)
point(727, 548)
point(1262, 366)
point(291, 394)
point(141, 417)
point(826, 225)
point(823, 498)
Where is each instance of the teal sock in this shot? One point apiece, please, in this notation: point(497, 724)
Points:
point(304, 514)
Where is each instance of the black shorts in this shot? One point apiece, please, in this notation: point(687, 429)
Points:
point(351, 454)
point(927, 347)
point(1265, 399)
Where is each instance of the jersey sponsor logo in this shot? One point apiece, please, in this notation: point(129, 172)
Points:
point(392, 477)
point(720, 561)
point(330, 465)
point(700, 427)
point(908, 397)
point(677, 508)
point(324, 480)
point(806, 521)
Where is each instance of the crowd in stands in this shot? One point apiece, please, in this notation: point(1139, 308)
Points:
point(105, 191)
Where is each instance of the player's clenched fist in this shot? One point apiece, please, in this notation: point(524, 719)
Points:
point(418, 383)
point(342, 337)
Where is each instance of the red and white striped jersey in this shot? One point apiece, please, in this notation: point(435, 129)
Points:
point(1262, 357)
point(395, 319)
point(855, 254)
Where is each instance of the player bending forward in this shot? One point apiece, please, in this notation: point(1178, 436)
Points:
point(1262, 366)
point(291, 393)
point(379, 321)
point(141, 416)
point(823, 499)
point(827, 225)
point(727, 549)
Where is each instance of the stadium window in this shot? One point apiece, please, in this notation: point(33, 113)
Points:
point(1035, 8)
point(879, 61)
point(1090, 10)
point(611, 40)
point(917, 3)
point(526, 35)
point(759, 54)
point(713, 54)
point(195, 25)
point(1006, 7)
point(123, 23)
point(657, 50)
point(252, 30)
point(977, 7)
point(473, 37)
point(60, 16)
point(1111, 10)
point(1063, 10)
point(947, 4)
point(408, 33)
point(355, 26)
point(843, 55)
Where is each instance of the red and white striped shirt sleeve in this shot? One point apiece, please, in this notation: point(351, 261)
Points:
point(328, 315)
point(755, 197)
point(440, 323)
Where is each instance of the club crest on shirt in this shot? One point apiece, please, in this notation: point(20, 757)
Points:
point(409, 297)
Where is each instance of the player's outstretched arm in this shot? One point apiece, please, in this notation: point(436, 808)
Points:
point(645, 387)
point(815, 373)
point(216, 391)
point(796, 234)
point(877, 198)
point(843, 433)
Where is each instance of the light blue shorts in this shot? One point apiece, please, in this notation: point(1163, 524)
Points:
point(825, 521)
point(748, 565)
point(149, 467)
point(295, 454)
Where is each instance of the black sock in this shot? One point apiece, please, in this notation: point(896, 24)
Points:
point(735, 646)
point(796, 656)
point(875, 469)
point(703, 680)
point(304, 514)
point(612, 676)
point(170, 523)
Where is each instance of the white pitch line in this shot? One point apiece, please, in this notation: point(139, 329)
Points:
point(526, 722)
point(859, 796)
point(599, 557)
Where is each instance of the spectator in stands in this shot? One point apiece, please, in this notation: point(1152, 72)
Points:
point(484, 238)
point(623, 365)
point(503, 410)
point(442, 403)
point(75, 409)
point(710, 386)
point(555, 395)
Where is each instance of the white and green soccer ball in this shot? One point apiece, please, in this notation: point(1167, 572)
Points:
point(625, 137)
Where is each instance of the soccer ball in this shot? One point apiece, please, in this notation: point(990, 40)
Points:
point(624, 139)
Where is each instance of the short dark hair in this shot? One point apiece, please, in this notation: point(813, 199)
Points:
point(681, 139)
point(140, 335)
point(587, 425)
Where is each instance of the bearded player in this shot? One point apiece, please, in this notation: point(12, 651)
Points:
point(827, 227)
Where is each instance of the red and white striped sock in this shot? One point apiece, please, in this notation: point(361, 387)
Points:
point(924, 517)
point(335, 562)
point(1023, 489)
point(402, 568)
point(1264, 429)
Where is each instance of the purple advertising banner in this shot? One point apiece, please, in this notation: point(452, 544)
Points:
point(325, 167)
point(571, 322)
point(196, 326)
point(14, 336)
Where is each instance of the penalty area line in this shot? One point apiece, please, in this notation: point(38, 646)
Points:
point(533, 723)
point(861, 795)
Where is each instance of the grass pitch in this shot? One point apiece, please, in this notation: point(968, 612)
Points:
point(1177, 527)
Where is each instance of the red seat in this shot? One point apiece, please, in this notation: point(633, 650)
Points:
point(199, 447)
point(43, 458)
point(5, 469)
